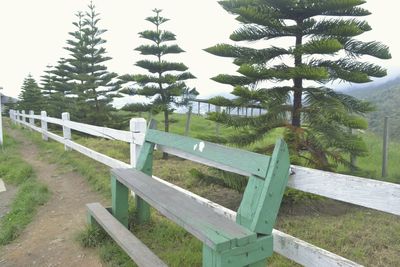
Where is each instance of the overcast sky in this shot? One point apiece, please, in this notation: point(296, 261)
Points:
point(33, 34)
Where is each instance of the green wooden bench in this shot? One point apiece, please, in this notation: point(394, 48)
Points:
point(246, 242)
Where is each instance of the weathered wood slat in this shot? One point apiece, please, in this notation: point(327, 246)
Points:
point(34, 127)
point(208, 226)
point(54, 120)
point(103, 132)
point(113, 163)
point(106, 160)
point(138, 251)
point(211, 154)
point(364, 192)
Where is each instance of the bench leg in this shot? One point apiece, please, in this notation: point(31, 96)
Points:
point(119, 201)
point(143, 210)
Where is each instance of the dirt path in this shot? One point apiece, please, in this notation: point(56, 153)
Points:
point(50, 239)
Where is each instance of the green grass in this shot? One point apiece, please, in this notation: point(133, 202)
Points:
point(371, 165)
point(365, 236)
point(30, 195)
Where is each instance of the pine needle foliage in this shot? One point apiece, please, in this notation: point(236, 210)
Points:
point(60, 100)
point(324, 49)
point(30, 97)
point(92, 86)
point(165, 84)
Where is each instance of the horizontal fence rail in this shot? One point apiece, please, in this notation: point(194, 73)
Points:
point(364, 192)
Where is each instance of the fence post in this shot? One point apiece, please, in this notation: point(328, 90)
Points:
point(31, 119)
point(353, 158)
point(17, 117)
point(187, 126)
point(43, 124)
point(66, 130)
point(136, 125)
point(23, 118)
point(198, 109)
point(385, 147)
point(218, 110)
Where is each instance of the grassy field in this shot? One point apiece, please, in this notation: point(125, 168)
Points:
point(30, 195)
point(365, 236)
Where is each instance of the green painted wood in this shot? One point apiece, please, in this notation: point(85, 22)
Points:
point(119, 201)
point(145, 165)
point(213, 229)
point(250, 200)
point(135, 249)
point(254, 254)
point(272, 192)
point(245, 161)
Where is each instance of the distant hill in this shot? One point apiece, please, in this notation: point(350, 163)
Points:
point(386, 98)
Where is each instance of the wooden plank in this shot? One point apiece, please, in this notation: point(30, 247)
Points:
point(136, 250)
point(106, 160)
point(104, 132)
point(268, 201)
point(208, 226)
point(211, 154)
point(307, 254)
point(364, 192)
point(34, 127)
point(286, 245)
point(54, 120)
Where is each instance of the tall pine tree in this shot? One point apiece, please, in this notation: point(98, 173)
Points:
point(165, 84)
point(100, 90)
point(92, 87)
point(324, 49)
point(77, 69)
point(30, 97)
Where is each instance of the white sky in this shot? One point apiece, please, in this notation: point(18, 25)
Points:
point(33, 34)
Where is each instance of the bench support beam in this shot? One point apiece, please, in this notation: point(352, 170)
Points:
point(119, 201)
point(144, 164)
point(254, 254)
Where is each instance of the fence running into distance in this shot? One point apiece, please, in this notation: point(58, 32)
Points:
point(364, 192)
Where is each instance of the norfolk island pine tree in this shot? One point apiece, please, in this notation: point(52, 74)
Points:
point(165, 85)
point(324, 50)
point(91, 84)
point(31, 97)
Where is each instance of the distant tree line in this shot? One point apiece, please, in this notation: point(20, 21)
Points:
point(286, 81)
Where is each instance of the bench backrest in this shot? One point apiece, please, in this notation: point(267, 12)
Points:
point(267, 175)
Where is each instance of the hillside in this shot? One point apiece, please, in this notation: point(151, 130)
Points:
point(386, 98)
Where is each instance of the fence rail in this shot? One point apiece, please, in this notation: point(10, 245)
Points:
point(364, 192)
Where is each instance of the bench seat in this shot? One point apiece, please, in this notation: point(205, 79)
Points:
point(138, 252)
point(213, 229)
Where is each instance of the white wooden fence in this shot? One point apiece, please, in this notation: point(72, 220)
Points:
point(364, 192)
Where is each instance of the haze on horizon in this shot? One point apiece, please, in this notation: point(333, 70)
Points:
point(35, 32)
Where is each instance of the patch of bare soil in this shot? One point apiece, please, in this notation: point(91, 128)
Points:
point(50, 239)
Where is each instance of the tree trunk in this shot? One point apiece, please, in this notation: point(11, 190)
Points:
point(298, 84)
point(296, 112)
